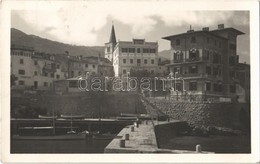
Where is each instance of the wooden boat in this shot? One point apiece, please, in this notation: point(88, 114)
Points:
point(47, 117)
point(72, 116)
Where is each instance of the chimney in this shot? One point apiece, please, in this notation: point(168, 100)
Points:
point(205, 29)
point(221, 26)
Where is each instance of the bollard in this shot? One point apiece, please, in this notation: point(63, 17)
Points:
point(132, 128)
point(122, 143)
point(198, 148)
point(137, 124)
point(127, 136)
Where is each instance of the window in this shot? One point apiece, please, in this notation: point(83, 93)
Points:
point(152, 50)
point(132, 50)
point(124, 71)
point(21, 82)
point(45, 74)
point(35, 73)
point(193, 69)
point(138, 61)
point(35, 62)
point(58, 66)
point(208, 86)
point(52, 74)
point(193, 54)
point(232, 88)
point(21, 72)
point(193, 39)
point(131, 61)
point(219, 45)
point(138, 50)
point(145, 61)
point(215, 71)
point(146, 50)
point(208, 70)
point(108, 49)
point(21, 61)
point(124, 49)
point(193, 86)
point(124, 61)
point(93, 66)
point(86, 65)
point(152, 61)
point(178, 42)
point(45, 84)
point(57, 76)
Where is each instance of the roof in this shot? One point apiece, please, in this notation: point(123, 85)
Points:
point(112, 38)
point(229, 29)
point(191, 33)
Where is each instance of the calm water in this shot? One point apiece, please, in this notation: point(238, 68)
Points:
point(217, 144)
point(59, 146)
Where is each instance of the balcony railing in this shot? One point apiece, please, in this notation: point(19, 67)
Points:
point(189, 60)
point(200, 75)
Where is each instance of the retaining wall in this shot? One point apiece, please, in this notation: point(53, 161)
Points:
point(231, 115)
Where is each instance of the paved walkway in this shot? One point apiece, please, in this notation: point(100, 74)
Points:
point(141, 140)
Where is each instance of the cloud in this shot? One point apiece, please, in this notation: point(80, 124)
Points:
point(79, 23)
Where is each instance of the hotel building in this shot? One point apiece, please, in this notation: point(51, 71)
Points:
point(205, 61)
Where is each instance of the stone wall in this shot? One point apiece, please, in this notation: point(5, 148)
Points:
point(231, 115)
point(90, 104)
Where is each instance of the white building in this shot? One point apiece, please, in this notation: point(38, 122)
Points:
point(128, 56)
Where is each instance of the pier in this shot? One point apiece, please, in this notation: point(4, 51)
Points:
point(141, 138)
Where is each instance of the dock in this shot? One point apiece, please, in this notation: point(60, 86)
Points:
point(141, 139)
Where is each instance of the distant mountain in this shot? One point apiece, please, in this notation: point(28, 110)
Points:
point(48, 46)
point(165, 54)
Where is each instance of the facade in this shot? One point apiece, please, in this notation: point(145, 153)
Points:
point(32, 70)
point(203, 62)
point(36, 71)
point(135, 55)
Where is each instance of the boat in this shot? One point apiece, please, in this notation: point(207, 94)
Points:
point(47, 117)
point(72, 116)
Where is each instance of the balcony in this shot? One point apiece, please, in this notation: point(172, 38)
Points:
point(192, 60)
point(200, 75)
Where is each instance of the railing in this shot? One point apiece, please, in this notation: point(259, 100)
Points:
point(189, 60)
point(202, 75)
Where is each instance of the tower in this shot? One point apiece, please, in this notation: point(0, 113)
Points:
point(109, 47)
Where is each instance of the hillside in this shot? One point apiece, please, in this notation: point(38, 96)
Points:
point(48, 46)
point(165, 54)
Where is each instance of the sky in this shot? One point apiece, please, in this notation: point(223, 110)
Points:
point(89, 24)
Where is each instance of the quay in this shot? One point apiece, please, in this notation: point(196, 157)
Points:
point(141, 138)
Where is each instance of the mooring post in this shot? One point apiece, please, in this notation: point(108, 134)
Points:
point(132, 128)
point(198, 148)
